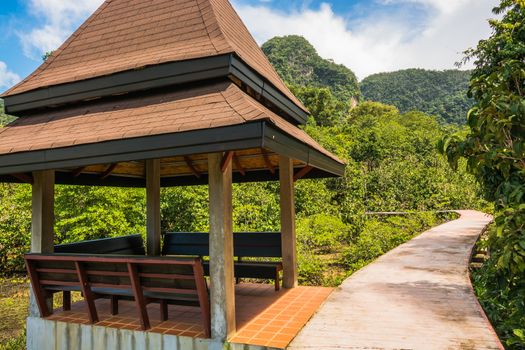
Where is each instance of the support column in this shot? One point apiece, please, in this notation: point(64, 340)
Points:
point(222, 283)
point(153, 207)
point(288, 240)
point(42, 221)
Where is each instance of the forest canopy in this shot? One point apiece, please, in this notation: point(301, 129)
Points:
point(439, 93)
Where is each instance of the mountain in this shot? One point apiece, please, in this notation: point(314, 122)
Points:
point(299, 64)
point(439, 93)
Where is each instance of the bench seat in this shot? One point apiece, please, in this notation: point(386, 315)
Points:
point(251, 269)
point(261, 245)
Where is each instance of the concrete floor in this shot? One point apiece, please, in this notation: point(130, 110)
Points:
point(417, 296)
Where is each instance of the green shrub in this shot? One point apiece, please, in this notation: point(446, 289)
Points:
point(322, 233)
point(502, 298)
point(379, 235)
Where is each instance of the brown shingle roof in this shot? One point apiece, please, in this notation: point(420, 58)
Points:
point(217, 105)
point(129, 34)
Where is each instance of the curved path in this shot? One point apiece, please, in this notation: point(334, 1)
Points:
point(417, 296)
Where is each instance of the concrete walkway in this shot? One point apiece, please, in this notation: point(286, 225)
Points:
point(417, 296)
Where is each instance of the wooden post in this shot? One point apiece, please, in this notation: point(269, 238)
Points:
point(42, 222)
point(153, 207)
point(222, 284)
point(288, 240)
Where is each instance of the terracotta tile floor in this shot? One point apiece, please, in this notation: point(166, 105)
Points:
point(269, 318)
point(264, 317)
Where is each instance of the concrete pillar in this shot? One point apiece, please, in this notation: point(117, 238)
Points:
point(42, 221)
point(222, 284)
point(153, 207)
point(288, 239)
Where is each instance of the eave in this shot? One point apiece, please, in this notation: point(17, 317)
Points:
point(156, 77)
point(238, 137)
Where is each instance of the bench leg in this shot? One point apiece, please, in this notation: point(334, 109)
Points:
point(139, 297)
point(114, 305)
point(66, 300)
point(277, 283)
point(163, 310)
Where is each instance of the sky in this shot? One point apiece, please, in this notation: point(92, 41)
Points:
point(368, 36)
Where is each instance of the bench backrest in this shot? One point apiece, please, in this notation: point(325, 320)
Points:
point(127, 245)
point(245, 244)
point(153, 273)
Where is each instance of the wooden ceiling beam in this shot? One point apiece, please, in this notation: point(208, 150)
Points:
point(24, 178)
point(226, 160)
point(269, 164)
point(192, 168)
point(302, 172)
point(108, 171)
point(238, 165)
point(76, 172)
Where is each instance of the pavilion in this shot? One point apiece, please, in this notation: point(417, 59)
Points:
point(162, 93)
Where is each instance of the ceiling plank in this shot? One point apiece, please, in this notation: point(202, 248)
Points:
point(238, 165)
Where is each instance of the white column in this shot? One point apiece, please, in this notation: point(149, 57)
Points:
point(222, 284)
point(288, 239)
point(153, 207)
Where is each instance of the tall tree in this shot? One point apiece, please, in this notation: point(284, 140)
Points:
point(495, 151)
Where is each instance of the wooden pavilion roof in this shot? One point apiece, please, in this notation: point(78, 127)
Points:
point(166, 79)
point(125, 35)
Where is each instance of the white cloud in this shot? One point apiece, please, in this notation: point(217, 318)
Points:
point(380, 42)
point(59, 18)
point(7, 78)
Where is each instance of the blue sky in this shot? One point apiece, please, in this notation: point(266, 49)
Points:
point(369, 36)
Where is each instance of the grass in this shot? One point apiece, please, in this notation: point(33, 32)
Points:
point(14, 304)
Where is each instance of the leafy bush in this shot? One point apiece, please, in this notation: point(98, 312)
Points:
point(502, 300)
point(380, 235)
point(322, 233)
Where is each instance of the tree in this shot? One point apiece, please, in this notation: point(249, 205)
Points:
point(323, 106)
point(494, 150)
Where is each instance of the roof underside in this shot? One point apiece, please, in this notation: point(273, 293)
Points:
point(125, 35)
point(116, 135)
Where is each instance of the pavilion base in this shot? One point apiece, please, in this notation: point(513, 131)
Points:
point(45, 334)
point(266, 320)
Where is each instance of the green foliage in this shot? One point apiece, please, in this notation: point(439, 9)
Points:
point(393, 163)
point(4, 118)
point(504, 306)
point(322, 233)
point(494, 150)
point(323, 106)
point(380, 235)
point(298, 63)
point(439, 93)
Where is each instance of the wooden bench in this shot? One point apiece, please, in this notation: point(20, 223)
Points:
point(245, 245)
point(145, 280)
point(127, 245)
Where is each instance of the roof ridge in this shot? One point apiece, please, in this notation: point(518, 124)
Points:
point(62, 47)
point(212, 40)
point(236, 49)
